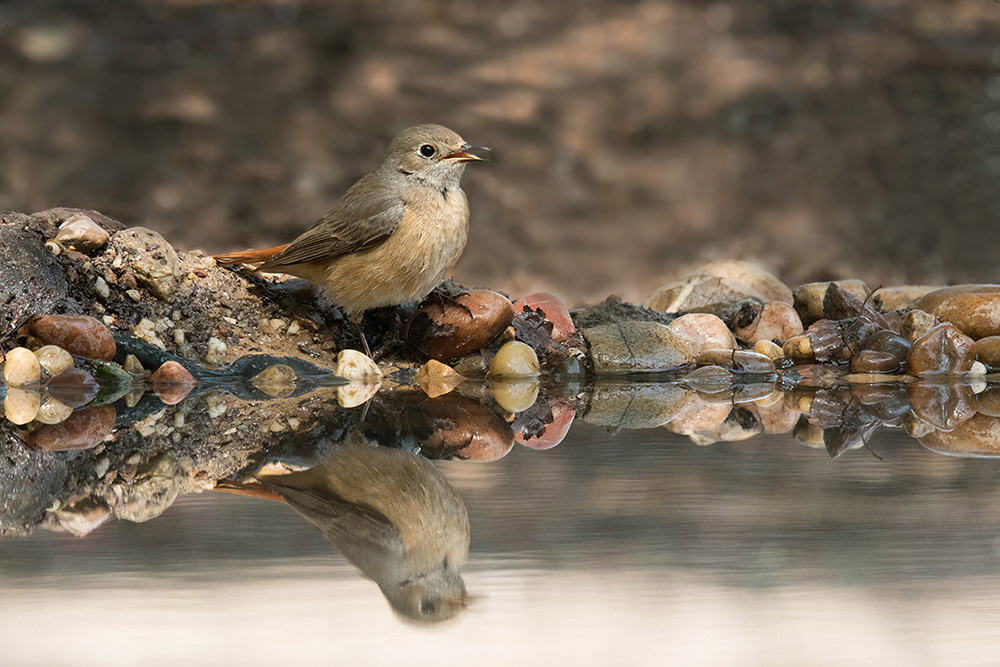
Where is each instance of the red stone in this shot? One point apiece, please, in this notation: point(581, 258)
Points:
point(172, 382)
point(554, 433)
point(81, 335)
point(553, 309)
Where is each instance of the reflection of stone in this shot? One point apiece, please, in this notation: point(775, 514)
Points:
point(942, 406)
point(622, 406)
point(153, 491)
point(83, 516)
point(978, 437)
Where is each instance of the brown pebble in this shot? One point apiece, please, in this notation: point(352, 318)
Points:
point(916, 323)
point(21, 405)
point(874, 361)
point(978, 437)
point(943, 406)
point(463, 428)
point(973, 309)
point(75, 387)
point(172, 382)
point(81, 335)
point(447, 331)
point(988, 352)
point(704, 331)
point(809, 298)
point(436, 378)
point(944, 350)
point(553, 432)
point(989, 401)
point(82, 430)
point(778, 321)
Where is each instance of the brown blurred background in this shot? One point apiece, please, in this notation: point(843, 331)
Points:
point(632, 140)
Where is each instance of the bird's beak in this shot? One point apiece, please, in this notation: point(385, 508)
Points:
point(466, 154)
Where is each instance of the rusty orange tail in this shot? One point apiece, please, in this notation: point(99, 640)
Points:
point(251, 489)
point(249, 256)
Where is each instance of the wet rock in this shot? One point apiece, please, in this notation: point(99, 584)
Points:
point(978, 437)
point(84, 516)
point(81, 430)
point(883, 352)
point(53, 412)
point(808, 298)
point(357, 393)
point(613, 310)
point(733, 429)
point(699, 416)
point(133, 365)
point(636, 347)
point(740, 360)
point(553, 432)
point(827, 341)
point(884, 401)
point(944, 350)
point(553, 309)
point(703, 294)
point(21, 367)
point(514, 395)
point(916, 323)
point(987, 351)
point(809, 434)
point(514, 359)
point(474, 366)
point(152, 260)
point(81, 335)
point(436, 378)
point(632, 406)
point(769, 349)
point(53, 359)
point(840, 304)
point(21, 405)
point(705, 332)
point(32, 279)
point(989, 401)
point(942, 406)
point(754, 276)
point(709, 379)
point(454, 426)
point(81, 233)
point(277, 381)
point(74, 387)
point(357, 366)
point(154, 489)
point(904, 297)
point(777, 321)
point(974, 309)
point(172, 382)
point(448, 331)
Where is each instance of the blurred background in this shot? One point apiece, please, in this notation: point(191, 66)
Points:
point(632, 140)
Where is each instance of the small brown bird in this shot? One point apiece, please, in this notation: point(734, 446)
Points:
point(395, 517)
point(393, 236)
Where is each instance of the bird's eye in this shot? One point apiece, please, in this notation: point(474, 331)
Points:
point(427, 606)
point(427, 150)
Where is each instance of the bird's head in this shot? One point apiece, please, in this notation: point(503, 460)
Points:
point(432, 154)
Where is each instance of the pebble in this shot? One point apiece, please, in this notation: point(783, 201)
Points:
point(978, 437)
point(769, 349)
point(699, 415)
point(446, 331)
point(293, 328)
point(772, 413)
point(53, 359)
point(53, 411)
point(101, 288)
point(514, 359)
point(944, 350)
point(75, 387)
point(82, 430)
point(703, 294)
point(83, 517)
point(808, 298)
point(133, 365)
point(463, 428)
point(709, 379)
point(215, 354)
point(514, 395)
point(778, 321)
point(635, 405)
point(916, 323)
point(172, 382)
point(942, 406)
point(704, 332)
point(80, 335)
point(747, 361)
point(277, 381)
point(474, 366)
point(134, 294)
point(754, 276)
point(988, 352)
point(882, 352)
point(974, 309)
point(436, 378)
point(153, 261)
point(357, 366)
point(809, 434)
point(989, 401)
point(631, 346)
point(82, 234)
point(21, 367)
point(101, 467)
point(840, 304)
point(21, 405)
point(552, 433)
point(904, 297)
point(553, 309)
point(356, 393)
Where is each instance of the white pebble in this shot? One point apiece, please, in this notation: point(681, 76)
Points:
point(101, 287)
point(216, 351)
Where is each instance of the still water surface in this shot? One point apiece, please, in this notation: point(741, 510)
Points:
point(636, 548)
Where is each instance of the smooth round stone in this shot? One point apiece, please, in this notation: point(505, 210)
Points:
point(514, 395)
point(988, 352)
point(808, 298)
point(978, 437)
point(943, 406)
point(974, 309)
point(53, 359)
point(472, 367)
point(356, 393)
point(774, 416)
point(874, 361)
point(554, 432)
point(75, 387)
point(769, 349)
point(704, 331)
point(799, 349)
point(447, 331)
point(21, 367)
point(904, 297)
point(357, 366)
point(635, 405)
point(553, 309)
point(21, 405)
point(889, 342)
point(466, 430)
point(699, 415)
point(53, 411)
point(81, 335)
point(437, 379)
point(809, 434)
point(989, 401)
point(944, 350)
point(82, 430)
point(82, 234)
point(701, 293)
point(172, 382)
point(277, 381)
point(709, 379)
point(514, 359)
point(754, 276)
point(626, 347)
point(778, 321)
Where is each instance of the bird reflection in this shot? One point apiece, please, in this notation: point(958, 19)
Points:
point(395, 517)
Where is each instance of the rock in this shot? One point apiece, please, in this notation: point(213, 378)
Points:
point(809, 434)
point(989, 401)
point(942, 406)
point(636, 347)
point(514, 359)
point(436, 378)
point(53, 411)
point(474, 366)
point(215, 353)
point(357, 366)
point(885, 401)
point(772, 413)
point(634, 406)
point(709, 379)
point(987, 351)
point(754, 276)
point(84, 516)
point(277, 381)
point(699, 416)
point(82, 234)
point(705, 332)
point(553, 309)
point(21, 405)
point(944, 350)
point(460, 427)
point(808, 298)
point(133, 365)
point(514, 395)
point(172, 382)
point(81, 430)
point(32, 279)
point(81, 335)
point(840, 304)
point(916, 323)
point(778, 321)
point(152, 260)
point(703, 294)
point(974, 309)
point(357, 393)
point(21, 367)
point(447, 331)
point(883, 352)
point(75, 387)
point(977, 437)
point(769, 349)
point(904, 297)
point(740, 360)
point(53, 359)
point(157, 485)
point(553, 432)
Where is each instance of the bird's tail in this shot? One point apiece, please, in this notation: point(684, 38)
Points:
point(249, 256)
point(252, 489)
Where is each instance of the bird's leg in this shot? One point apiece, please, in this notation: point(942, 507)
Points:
point(356, 320)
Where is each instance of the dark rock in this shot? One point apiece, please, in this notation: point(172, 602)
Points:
point(31, 278)
point(944, 350)
point(73, 387)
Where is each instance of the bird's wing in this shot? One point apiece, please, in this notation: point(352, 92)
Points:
point(366, 216)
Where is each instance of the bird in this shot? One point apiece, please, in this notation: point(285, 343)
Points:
point(395, 517)
point(393, 236)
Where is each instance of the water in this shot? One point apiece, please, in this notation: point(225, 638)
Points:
point(633, 548)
